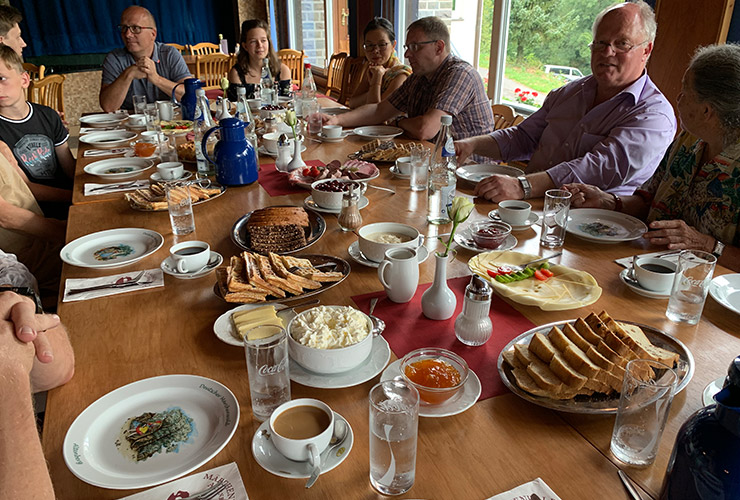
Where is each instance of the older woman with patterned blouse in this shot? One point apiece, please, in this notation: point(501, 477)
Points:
point(385, 72)
point(693, 198)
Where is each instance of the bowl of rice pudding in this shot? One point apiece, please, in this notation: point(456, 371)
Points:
point(330, 339)
point(375, 239)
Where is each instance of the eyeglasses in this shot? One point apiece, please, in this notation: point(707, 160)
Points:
point(619, 47)
point(371, 46)
point(134, 29)
point(414, 47)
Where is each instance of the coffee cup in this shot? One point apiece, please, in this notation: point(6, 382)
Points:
point(170, 170)
point(301, 429)
point(514, 212)
point(166, 110)
point(655, 274)
point(190, 256)
point(331, 131)
point(136, 120)
point(403, 165)
point(399, 274)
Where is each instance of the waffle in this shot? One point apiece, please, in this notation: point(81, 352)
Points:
point(386, 150)
point(154, 197)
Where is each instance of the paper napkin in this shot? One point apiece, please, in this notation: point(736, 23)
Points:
point(152, 278)
point(189, 486)
point(92, 189)
point(525, 491)
point(105, 152)
point(87, 130)
point(669, 255)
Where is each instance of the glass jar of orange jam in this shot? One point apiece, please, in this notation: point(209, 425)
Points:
point(435, 374)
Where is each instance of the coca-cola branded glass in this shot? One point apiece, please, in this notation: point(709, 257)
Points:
point(267, 368)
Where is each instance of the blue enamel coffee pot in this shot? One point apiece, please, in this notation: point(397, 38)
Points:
point(236, 159)
point(189, 100)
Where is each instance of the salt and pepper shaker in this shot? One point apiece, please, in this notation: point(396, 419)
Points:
point(283, 153)
point(349, 217)
point(473, 325)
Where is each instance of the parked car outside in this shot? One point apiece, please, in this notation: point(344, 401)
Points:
point(567, 72)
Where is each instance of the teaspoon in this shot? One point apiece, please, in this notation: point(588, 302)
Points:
point(340, 432)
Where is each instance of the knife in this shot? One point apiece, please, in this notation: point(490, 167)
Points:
point(629, 485)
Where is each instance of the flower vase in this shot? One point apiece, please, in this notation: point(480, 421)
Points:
point(297, 161)
point(439, 302)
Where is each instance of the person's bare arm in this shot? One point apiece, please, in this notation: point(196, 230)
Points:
point(66, 160)
point(149, 69)
point(113, 94)
point(483, 145)
point(20, 219)
point(370, 114)
point(285, 72)
point(359, 98)
point(234, 76)
point(423, 127)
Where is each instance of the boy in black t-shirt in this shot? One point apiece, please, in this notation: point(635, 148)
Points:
point(37, 138)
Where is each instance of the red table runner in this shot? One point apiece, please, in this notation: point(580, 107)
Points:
point(276, 183)
point(407, 329)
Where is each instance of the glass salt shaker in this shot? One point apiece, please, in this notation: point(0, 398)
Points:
point(349, 217)
point(284, 150)
point(473, 325)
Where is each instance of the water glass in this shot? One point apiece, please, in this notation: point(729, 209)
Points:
point(139, 104)
point(690, 286)
point(312, 114)
point(419, 168)
point(267, 368)
point(180, 207)
point(394, 422)
point(555, 217)
point(152, 117)
point(642, 413)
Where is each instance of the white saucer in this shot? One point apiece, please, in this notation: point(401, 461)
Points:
point(397, 173)
point(214, 261)
point(309, 203)
point(374, 364)
point(458, 403)
point(532, 219)
point(464, 238)
point(354, 251)
point(643, 291)
point(345, 133)
point(263, 151)
point(707, 397)
point(273, 461)
point(158, 178)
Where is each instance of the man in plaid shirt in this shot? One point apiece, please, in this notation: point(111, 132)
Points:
point(441, 84)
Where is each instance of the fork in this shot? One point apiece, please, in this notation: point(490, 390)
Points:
point(209, 493)
point(393, 191)
point(116, 186)
point(122, 282)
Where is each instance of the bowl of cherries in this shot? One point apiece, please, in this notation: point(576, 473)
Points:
point(327, 193)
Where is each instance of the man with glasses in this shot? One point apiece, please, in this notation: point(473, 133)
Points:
point(609, 129)
point(441, 84)
point(143, 67)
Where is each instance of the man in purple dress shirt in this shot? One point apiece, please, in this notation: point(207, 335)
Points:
point(609, 129)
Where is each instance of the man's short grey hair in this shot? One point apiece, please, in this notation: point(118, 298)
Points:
point(714, 74)
point(434, 28)
point(647, 16)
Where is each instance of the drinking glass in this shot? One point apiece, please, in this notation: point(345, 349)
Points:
point(555, 217)
point(690, 286)
point(180, 207)
point(139, 104)
point(267, 369)
point(419, 168)
point(642, 413)
point(312, 114)
point(394, 422)
point(152, 117)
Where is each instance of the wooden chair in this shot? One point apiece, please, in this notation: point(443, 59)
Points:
point(210, 68)
point(335, 73)
point(35, 72)
point(503, 116)
point(354, 70)
point(48, 91)
point(294, 60)
point(180, 48)
point(203, 48)
point(517, 120)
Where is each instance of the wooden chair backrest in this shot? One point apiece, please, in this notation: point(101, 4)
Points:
point(335, 72)
point(180, 48)
point(210, 68)
point(48, 91)
point(503, 116)
point(35, 72)
point(354, 70)
point(293, 59)
point(203, 48)
point(517, 120)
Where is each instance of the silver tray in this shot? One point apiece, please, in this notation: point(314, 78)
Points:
point(600, 404)
point(316, 228)
point(342, 266)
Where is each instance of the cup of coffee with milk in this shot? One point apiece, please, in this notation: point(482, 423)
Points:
point(301, 429)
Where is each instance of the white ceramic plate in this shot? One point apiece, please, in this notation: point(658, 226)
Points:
point(354, 251)
point(111, 248)
point(464, 238)
point(604, 226)
point(378, 132)
point(158, 178)
point(344, 134)
point(460, 402)
point(224, 329)
point(110, 139)
point(118, 168)
point(89, 447)
point(476, 173)
point(531, 220)
point(397, 173)
point(265, 453)
point(263, 151)
point(639, 290)
point(103, 119)
point(309, 203)
point(374, 364)
point(726, 290)
point(707, 397)
point(214, 261)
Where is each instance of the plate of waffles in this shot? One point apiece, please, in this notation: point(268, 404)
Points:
point(154, 197)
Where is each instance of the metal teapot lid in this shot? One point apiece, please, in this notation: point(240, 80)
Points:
point(478, 289)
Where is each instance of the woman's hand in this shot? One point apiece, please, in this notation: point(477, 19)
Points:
point(375, 74)
point(587, 196)
point(677, 235)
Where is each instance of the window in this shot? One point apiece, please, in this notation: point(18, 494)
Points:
point(320, 28)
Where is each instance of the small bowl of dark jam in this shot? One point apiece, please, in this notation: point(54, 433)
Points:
point(489, 234)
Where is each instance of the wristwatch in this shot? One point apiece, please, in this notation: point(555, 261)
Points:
point(526, 186)
point(718, 248)
point(28, 292)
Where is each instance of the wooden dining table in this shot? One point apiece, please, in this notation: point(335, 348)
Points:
point(495, 445)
